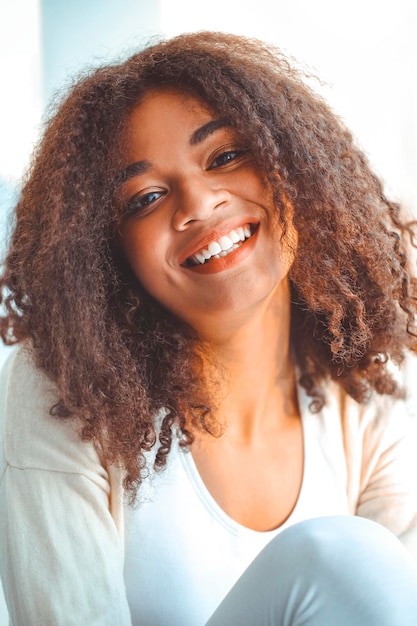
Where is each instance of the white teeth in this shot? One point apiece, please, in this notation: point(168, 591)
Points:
point(223, 247)
point(225, 242)
point(214, 248)
point(234, 236)
point(200, 257)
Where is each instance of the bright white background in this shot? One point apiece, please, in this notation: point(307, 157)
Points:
point(365, 51)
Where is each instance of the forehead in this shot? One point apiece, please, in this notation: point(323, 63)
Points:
point(166, 118)
point(162, 107)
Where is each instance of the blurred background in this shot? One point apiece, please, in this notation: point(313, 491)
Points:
point(365, 52)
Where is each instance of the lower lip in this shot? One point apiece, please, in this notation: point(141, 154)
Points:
point(229, 261)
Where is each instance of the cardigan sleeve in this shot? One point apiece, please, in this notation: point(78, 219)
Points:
point(382, 463)
point(61, 555)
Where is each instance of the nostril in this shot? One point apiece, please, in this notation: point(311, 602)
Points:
point(197, 201)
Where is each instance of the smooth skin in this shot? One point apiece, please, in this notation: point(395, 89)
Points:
point(189, 179)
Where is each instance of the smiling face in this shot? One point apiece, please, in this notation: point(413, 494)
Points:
point(197, 225)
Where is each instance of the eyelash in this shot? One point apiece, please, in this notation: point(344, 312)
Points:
point(145, 200)
point(238, 154)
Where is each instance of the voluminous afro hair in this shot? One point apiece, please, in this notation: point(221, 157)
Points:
point(117, 357)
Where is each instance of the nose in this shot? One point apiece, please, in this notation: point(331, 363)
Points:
point(196, 201)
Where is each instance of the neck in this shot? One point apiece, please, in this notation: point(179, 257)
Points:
point(255, 353)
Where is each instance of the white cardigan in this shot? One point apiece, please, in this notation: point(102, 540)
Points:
point(63, 520)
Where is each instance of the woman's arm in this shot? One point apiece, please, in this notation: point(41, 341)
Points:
point(61, 553)
point(382, 467)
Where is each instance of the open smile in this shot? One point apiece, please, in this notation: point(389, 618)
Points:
point(224, 253)
point(222, 247)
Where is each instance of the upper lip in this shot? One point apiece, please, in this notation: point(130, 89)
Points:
point(213, 234)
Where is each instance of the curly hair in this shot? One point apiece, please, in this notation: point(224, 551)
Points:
point(117, 357)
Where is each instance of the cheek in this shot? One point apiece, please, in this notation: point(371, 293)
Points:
point(140, 251)
point(253, 188)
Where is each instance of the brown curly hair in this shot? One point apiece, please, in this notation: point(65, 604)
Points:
point(116, 355)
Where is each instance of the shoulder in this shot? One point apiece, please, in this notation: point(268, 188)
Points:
point(381, 416)
point(361, 425)
point(374, 435)
point(32, 437)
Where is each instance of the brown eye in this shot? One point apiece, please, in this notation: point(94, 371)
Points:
point(227, 157)
point(143, 201)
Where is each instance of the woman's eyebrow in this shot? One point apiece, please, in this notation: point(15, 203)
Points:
point(207, 129)
point(140, 167)
point(134, 169)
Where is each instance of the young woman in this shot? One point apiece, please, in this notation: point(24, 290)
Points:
point(212, 296)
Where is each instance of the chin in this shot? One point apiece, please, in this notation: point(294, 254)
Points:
point(242, 295)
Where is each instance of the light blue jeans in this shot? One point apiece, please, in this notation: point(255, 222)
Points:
point(330, 571)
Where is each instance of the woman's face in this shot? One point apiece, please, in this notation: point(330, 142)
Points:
point(197, 224)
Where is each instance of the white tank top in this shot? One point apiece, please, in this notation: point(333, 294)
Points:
point(184, 553)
